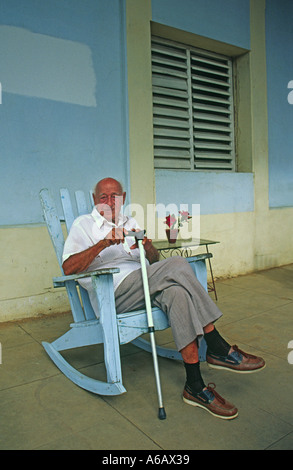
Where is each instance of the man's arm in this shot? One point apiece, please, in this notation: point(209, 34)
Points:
point(79, 262)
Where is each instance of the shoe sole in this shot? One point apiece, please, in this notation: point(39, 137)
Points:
point(214, 366)
point(193, 403)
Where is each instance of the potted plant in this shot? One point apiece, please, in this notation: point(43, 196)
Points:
point(174, 223)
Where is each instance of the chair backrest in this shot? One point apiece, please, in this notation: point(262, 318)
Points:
point(53, 223)
point(56, 234)
point(83, 206)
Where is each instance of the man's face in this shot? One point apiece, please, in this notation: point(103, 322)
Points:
point(109, 199)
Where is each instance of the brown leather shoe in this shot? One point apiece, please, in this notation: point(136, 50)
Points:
point(236, 361)
point(210, 400)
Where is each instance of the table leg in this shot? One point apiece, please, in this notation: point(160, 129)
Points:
point(213, 287)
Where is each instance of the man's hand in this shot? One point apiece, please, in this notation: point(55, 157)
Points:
point(151, 252)
point(115, 237)
point(147, 243)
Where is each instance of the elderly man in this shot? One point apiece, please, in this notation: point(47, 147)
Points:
point(98, 240)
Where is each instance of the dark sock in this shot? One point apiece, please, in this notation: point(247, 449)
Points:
point(194, 379)
point(216, 344)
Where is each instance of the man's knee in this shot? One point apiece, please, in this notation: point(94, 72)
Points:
point(173, 294)
point(179, 263)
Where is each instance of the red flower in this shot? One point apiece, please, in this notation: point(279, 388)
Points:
point(171, 220)
point(183, 217)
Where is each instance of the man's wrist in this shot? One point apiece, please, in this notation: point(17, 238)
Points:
point(102, 244)
point(106, 243)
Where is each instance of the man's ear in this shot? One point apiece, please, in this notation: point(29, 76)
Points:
point(94, 198)
point(124, 197)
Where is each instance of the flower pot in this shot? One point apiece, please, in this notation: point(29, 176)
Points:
point(172, 234)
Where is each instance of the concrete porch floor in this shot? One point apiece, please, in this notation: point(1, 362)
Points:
point(42, 409)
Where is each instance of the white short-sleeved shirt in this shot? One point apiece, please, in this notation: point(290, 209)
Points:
point(89, 229)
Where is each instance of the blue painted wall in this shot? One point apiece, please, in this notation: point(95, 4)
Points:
point(223, 20)
point(279, 42)
point(217, 193)
point(227, 21)
point(63, 117)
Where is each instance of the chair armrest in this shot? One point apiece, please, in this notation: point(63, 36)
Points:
point(60, 281)
point(192, 259)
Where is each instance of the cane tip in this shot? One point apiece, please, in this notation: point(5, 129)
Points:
point(162, 413)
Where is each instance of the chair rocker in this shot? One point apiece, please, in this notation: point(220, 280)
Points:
point(111, 329)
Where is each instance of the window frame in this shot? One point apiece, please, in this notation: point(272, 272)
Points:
point(166, 145)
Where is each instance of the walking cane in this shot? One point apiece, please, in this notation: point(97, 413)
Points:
point(151, 329)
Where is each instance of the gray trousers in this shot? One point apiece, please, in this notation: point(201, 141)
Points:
point(175, 289)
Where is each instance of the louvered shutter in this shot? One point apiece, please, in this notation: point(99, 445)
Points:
point(192, 108)
point(171, 107)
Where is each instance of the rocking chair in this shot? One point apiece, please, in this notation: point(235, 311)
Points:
point(111, 329)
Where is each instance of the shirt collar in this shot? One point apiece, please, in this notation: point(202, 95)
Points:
point(100, 220)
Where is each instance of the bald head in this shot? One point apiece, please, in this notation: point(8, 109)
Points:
point(108, 198)
point(105, 183)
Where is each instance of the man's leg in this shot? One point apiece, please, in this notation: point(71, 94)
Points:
point(191, 312)
point(199, 309)
point(196, 393)
point(221, 355)
point(182, 308)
